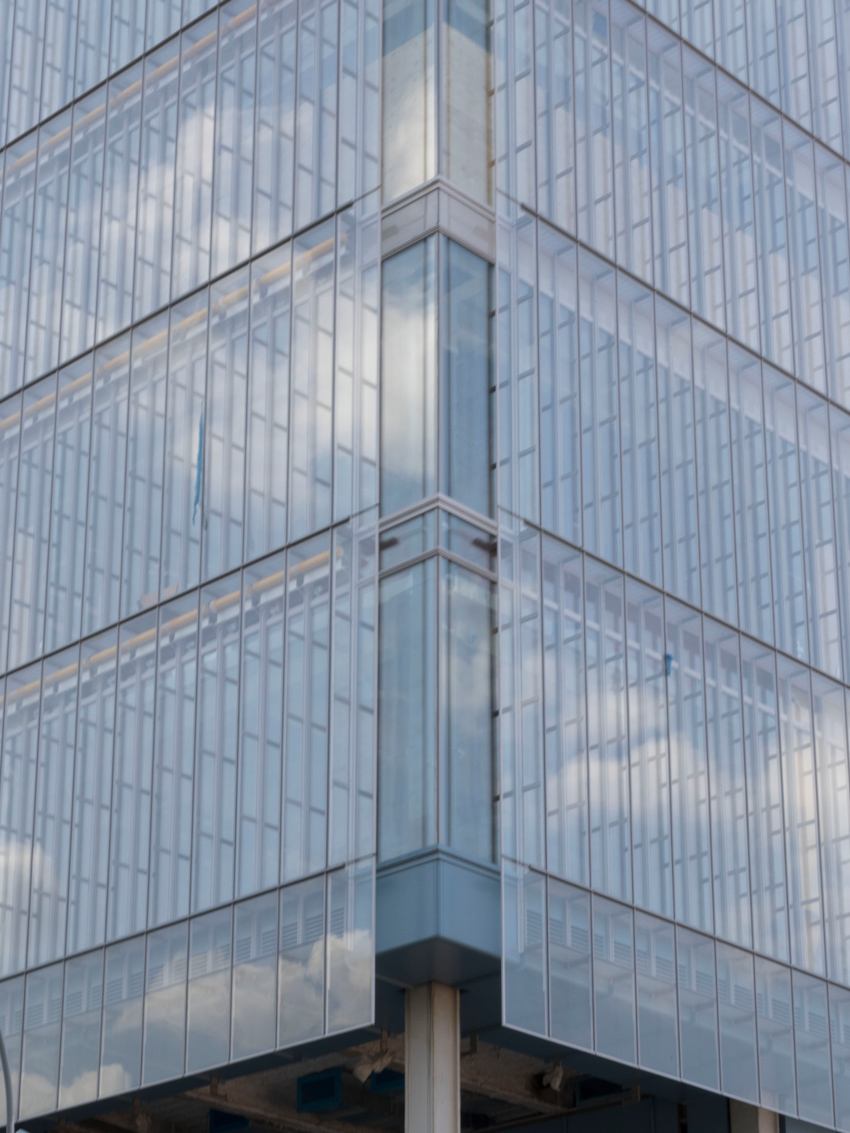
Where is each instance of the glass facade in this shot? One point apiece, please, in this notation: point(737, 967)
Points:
point(425, 427)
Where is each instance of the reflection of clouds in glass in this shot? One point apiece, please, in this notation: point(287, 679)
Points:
point(82, 1088)
point(350, 979)
point(301, 990)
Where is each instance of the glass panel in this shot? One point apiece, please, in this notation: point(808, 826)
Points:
point(697, 1008)
point(68, 519)
point(655, 952)
point(25, 76)
point(128, 32)
point(163, 20)
point(776, 1036)
point(10, 436)
point(840, 456)
point(124, 983)
point(570, 992)
point(725, 733)
point(208, 1044)
point(15, 248)
point(261, 715)
point(105, 517)
point(222, 430)
point(773, 252)
point(835, 269)
point(839, 1025)
point(174, 741)
point(48, 246)
point(736, 190)
point(614, 980)
point(803, 239)
point(81, 1029)
point(631, 140)
point(196, 129)
point(667, 149)
point(40, 1063)
point(793, 61)
point(254, 976)
point(351, 946)
point(306, 719)
point(811, 1035)
point(120, 191)
point(705, 230)
point(32, 523)
point(214, 832)
point(268, 404)
point(17, 806)
point(12, 1022)
point(688, 768)
point(514, 104)
point(652, 865)
point(594, 156)
point(165, 1004)
point(409, 57)
point(737, 1009)
point(301, 962)
point(131, 783)
point(156, 180)
point(763, 43)
point(92, 793)
point(315, 157)
point(466, 158)
point(53, 808)
point(92, 44)
point(359, 157)
point(834, 814)
point(275, 148)
point(565, 716)
point(524, 964)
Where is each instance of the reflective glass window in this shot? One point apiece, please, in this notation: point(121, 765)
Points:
point(702, 155)
point(811, 1040)
point(301, 962)
point(40, 1059)
point(409, 60)
point(10, 439)
point(655, 955)
point(594, 150)
point(736, 195)
point(275, 129)
point(570, 990)
point(208, 1013)
point(81, 1019)
point(15, 247)
point(776, 1036)
point(351, 946)
point(255, 961)
point(524, 963)
point(123, 992)
point(834, 815)
point(697, 1010)
point(632, 189)
point(92, 44)
point(737, 1012)
point(12, 1023)
point(614, 980)
point(839, 1026)
point(165, 1004)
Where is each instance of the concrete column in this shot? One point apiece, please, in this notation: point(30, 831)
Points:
point(744, 1118)
point(432, 1059)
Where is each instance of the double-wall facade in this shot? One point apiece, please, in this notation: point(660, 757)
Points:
point(425, 428)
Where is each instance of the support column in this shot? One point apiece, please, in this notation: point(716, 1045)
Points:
point(432, 1059)
point(744, 1118)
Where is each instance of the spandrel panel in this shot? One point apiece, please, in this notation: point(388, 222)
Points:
point(557, 330)
point(53, 808)
point(260, 723)
point(834, 817)
point(350, 946)
point(607, 731)
point(702, 156)
point(17, 806)
point(736, 195)
point(646, 658)
point(524, 962)
point(81, 1019)
point(32, 523)
point(811, 1038)
point(594, 142)
point(570, 988)
point(123, 999)
point(92, 46)
point(555, 133)
point(174, 738)
point(234, 143)
point(697, 1010)
point(255, 963)
point(40, 1059)
point(216, 739)
point(66, 559)
point(10, 437)
point(565, 714)
point(92, 793)
point(632, 198)
point(12, 1022)
point(144, 463)
point(409, 377)
point(120, 192)
point(667, 162)
point(774, 259)
point(195, 129)
point(156, 180)
point(82, 235)
point(268, 404)
point(316, 112)
point(728, 786)
point(306, 711)
point(600, 417)
point(776, 1038)
point(208, 1013)
point(105, 514)
point(48, 246)
point(301, 962)
point(223, 431)
point(639, 432)
point(737, 1012)
point(409, 80)
point(275, 130)
point(185, 412)
point(127, 901)
point(614, 980)
point(165, 1004)
point(689, 787)
point(655, 955)
point(313, 326)
point(15, 248)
